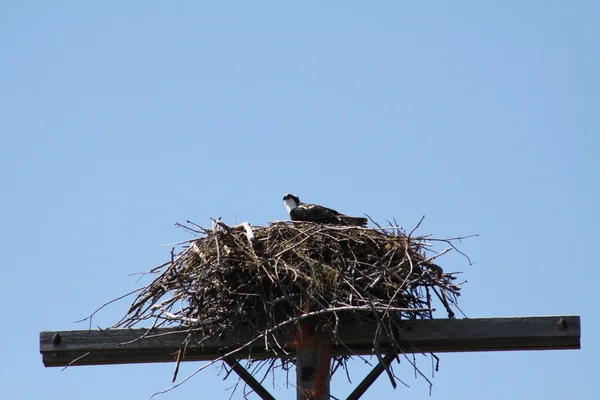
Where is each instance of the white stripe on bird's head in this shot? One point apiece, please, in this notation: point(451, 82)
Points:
point(291, 201)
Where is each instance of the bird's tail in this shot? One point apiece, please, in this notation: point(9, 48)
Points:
point(356, 221)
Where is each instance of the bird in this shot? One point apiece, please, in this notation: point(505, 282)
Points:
point(314, 213)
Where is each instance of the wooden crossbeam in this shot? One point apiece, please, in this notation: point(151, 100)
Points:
point(119, 346)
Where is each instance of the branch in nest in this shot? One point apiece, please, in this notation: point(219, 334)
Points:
point(270, 277)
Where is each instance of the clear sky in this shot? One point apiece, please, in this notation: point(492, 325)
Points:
point(119, 119)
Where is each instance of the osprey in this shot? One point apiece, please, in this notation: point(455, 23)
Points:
point(314, 213)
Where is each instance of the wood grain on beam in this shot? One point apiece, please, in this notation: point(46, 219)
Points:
point(59, 348)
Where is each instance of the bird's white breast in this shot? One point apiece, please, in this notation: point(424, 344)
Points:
point(290, 204)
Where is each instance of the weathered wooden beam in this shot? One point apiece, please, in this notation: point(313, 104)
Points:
point(119, 346)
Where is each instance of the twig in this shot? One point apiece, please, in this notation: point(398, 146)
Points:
point(270, 277)
point(416, 227)
point(106, 304)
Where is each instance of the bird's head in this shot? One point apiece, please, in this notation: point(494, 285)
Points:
point(291, 201)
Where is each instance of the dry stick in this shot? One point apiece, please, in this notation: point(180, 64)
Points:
point(414, 364)
point(159, 267)
point(353, 353)
point(253, 255)
point(416, 227)
point(269, 331)
point(145, 334)
point(433, 257)
point(218, 248)
point(187, 228)
point(444, 301)
point(140, 300)
point(246, 225)
point(249, 233)
point(248, 378)
point(234, 386)
point(180, 355)
point(292, 247)
point(205, 294)
point(75, 360)
point(173, 317)
point(449, 241)
point(376, 338)
point(269, 370)
point(371, 377)
point(375, 223)
point(106, 304)
point(378, 355)
point(214, 224)
point(311, 227)
point(392, 336)
point(360, 228)
point(177, 244)
point(402, 286)
point(145, 310)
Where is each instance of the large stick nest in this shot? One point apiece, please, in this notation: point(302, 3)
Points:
point(265, 276)
point(274, 276)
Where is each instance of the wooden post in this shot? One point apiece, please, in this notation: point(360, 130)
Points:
point(313, 360)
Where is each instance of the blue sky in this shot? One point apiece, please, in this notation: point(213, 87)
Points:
point(120, 119)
